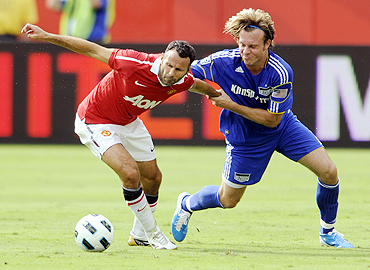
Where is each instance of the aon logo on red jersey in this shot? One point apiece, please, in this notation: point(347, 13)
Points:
point(142, 103)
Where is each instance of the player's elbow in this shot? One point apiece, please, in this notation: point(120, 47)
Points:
point(272, 124)
point(273, 120)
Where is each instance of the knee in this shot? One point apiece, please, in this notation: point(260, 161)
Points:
point(129, 175)
point(329, 175)
point(229, 197)
point(228, 202)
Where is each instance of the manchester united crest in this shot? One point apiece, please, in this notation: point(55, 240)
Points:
point(106, 133)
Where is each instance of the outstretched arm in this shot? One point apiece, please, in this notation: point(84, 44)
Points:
point(257, 115)
point(75, 44)
point(201, 87)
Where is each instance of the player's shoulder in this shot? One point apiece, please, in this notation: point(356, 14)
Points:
point(279, 66)
point(134, 55)
point(128, 60)
point(224, 56)
point(276, 60)
point(227, 55)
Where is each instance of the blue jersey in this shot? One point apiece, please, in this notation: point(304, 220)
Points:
point(271, 90)
point(249, 144)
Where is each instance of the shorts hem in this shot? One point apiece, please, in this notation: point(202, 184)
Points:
point(232, 184)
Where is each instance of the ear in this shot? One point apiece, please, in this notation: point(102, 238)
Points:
point(267, 43)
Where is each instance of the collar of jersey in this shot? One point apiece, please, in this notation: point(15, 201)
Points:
point(155, 69)
point(267, 60)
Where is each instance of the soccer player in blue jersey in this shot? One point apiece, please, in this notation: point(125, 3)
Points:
point(256, 120)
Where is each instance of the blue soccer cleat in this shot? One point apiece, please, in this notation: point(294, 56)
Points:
point(334, 239)
point(180, 220)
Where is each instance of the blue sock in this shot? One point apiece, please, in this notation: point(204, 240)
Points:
point(205, 198)
point(327, 201)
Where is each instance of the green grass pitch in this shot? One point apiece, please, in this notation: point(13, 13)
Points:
point(46, 189)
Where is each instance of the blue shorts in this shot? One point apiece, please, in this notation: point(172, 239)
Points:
point(246, 163)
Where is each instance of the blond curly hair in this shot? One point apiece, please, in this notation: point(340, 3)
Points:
point(249, 19)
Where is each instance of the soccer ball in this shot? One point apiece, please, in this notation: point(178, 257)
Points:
point(94, 232)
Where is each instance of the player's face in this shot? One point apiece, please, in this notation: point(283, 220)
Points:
point(253, 50)
point(173, 68)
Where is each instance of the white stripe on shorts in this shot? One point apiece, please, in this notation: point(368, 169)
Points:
point(232, 184)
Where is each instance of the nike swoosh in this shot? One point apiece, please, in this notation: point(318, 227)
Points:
point(139, 210)
point(139, 84)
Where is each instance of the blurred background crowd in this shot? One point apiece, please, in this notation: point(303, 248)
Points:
point(309, 22)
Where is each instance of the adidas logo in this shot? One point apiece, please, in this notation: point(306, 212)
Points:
point(239, 69)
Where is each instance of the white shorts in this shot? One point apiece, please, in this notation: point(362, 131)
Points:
point(134, 137)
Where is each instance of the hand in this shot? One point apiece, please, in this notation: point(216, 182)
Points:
point(34, 32)
point(222, 101)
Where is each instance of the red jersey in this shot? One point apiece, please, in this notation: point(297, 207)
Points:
point(130, 89)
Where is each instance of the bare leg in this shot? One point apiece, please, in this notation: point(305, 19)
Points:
point(327, 191)
point(230, 197)
point(151, 176)
point(117, 158)
point(128, 171)
point(320, 163)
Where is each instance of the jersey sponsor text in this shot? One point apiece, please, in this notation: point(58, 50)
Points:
point(250, 93)
point(142, 103)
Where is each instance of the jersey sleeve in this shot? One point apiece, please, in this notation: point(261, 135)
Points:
point(187, 83)
point(204, 68)
point(281, 98)
point(125, 61)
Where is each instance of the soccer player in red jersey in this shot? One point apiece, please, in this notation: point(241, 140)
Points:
point(107, 119)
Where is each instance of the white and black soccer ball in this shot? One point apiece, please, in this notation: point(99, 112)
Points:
point(94, 232)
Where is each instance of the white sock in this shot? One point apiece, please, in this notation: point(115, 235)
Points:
point(137, 229)
point(143, 213)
